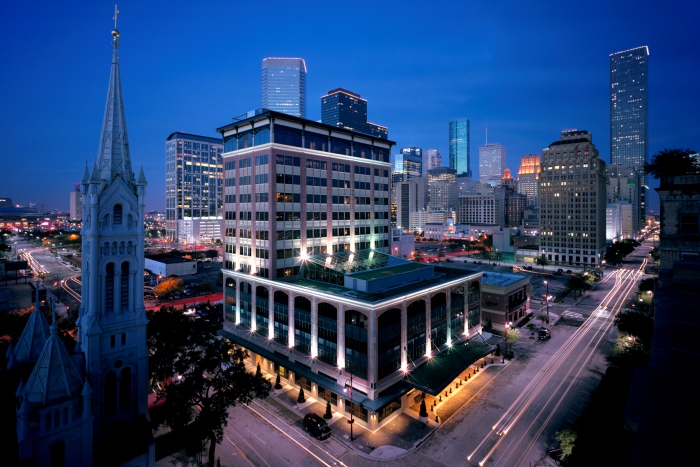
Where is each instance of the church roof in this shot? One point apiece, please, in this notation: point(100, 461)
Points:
point(113, 156)
point(54, 376)
point(33, 337)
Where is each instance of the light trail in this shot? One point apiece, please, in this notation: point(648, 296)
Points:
point(64, 285)
point(625, 280)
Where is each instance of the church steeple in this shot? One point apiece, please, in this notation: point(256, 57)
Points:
point(113, 158)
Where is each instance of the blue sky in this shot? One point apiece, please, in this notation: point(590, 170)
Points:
point(531, 68)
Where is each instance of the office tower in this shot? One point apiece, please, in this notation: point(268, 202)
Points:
point(623, 188)
point(6, 203)
point(442, 189)
point(345, 109)
point(76, 203)
point(528, 177)
point(572, 201)
point(459, 147)
point(411, 197)
point(193, 188)
point(492, 163)
point(629, 113)
point(408, 164)
point(82, 399)
point(311, 288)
point(481, 209)
point(284, 85)
point(431, 160)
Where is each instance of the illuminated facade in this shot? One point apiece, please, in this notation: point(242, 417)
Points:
point(284, 85)
point(492, 163)
point(572, 201)
point(629, 141)
point(528, 179)
point(431, 159)
point(442, 189)
point(459, 147)
point(193, 185)
point(311, 289)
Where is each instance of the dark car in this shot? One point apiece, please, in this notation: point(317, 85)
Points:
point(317, 426)
point(448, 260)
point(544, 333)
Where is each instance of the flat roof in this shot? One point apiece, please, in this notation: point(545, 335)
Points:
point(502, 279)
point(442, 275)
point(169, 260)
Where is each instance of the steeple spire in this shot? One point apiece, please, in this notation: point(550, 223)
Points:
point(113, 158)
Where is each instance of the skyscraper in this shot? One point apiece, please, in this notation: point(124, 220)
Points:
point(528, 175)
point(284, 85)
point(572, 201)
point(76, 203)
point(431, 160)
point(492, 163)
point(346, 109)
point(459, 147)
point(629, 111)
point(193, 188)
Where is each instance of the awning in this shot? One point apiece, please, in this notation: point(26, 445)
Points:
point(436, 374)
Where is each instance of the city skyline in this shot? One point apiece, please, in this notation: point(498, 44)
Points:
point(529, 93)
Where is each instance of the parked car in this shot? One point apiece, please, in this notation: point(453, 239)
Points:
point(529, 268)
point(560, 270)
point(448, 260)
point(544, 334)
point(317, 426)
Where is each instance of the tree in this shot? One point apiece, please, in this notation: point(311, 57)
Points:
point(440, 254)
point(542, 261)
point(169, 286)
point(301, 399)
point(579, 282)
point(513, 337)
point(278, 383)
point(566, 439)
point(671, 162)
point(544, 317)
point(211, 372)
point(497, 353)
point(423, 409)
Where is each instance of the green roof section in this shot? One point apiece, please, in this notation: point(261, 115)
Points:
point(387, 272)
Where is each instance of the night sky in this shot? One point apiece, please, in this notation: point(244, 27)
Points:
point(531, 68)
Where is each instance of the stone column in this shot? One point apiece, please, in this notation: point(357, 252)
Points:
point(253, 308)
point(271, 313)
point(448, 314)
point(372, 348)
point(290, 320)
point(314, 327)
point(428, 329)
point(238, 302)
point(340, 345)
point(404, 336)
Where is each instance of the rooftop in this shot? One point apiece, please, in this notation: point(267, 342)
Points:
point(502, 279)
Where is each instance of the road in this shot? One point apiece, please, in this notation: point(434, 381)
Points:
point(545, 388)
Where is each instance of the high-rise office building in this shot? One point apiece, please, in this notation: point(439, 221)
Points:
point(431, 160)
point(76, 203)
point(346, 109)
point(572, 201)
point(492, 163)
point(284, 85)
point(442, 189)
point(411, 197)
point(193, 188)
point(528, 176)
point(459, 147)
point(311, 288)
point(629, 71)
point(623, 188)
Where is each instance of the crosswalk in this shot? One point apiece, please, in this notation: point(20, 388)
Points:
point(573, 315)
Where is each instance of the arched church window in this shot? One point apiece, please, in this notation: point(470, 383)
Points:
point(124, 293)
point(118, 214)
point(109, 288)
point(110, 404)
point(125, 389)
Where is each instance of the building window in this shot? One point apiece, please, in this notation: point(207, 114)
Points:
point(109, 288)
point(118, 214)
point(124, 283)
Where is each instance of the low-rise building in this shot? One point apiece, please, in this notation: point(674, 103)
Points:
point(505, 298)
point(170, 266)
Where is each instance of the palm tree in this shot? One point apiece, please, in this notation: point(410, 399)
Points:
point(670, 162)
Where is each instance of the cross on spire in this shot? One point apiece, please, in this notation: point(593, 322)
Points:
point(116, 13)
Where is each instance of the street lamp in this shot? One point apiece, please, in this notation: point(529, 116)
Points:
point(546, 296)
point(352, 409)
point(508, 324)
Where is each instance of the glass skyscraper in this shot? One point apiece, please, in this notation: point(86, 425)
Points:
point(284, 85)
point(344, 109)
point(628, 112)
point(459, 147)
point(492, 163)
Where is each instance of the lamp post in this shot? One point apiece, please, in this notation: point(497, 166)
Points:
point(546, 296)
point(352, 409)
